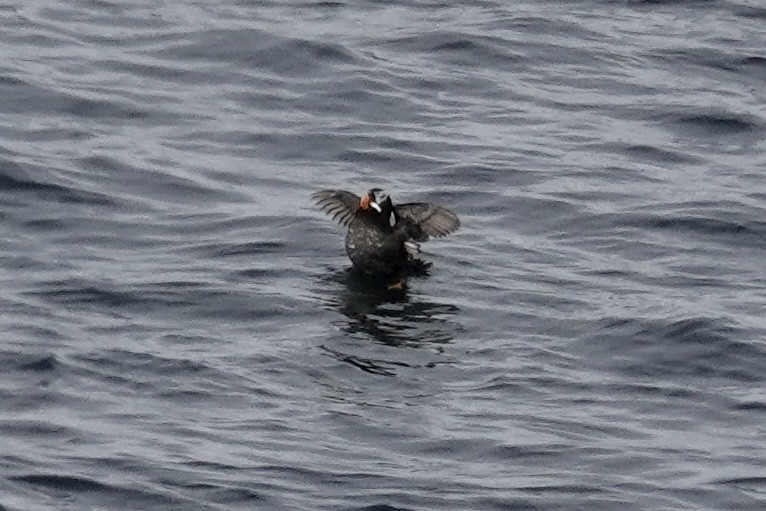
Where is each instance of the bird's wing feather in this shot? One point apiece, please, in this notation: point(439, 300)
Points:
point(342, 205)
point(434, 221)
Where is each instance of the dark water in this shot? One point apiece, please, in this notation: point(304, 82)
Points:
point(178, 327)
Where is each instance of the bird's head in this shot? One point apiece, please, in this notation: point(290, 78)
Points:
point(378, 203)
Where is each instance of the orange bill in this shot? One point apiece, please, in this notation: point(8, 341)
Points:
point(365, 202)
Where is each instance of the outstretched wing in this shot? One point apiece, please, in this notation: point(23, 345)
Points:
point(434, 221)
point(342, 205)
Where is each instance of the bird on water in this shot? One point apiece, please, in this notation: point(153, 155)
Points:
point(383, 238)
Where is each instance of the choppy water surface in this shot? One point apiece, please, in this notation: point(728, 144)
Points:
point(179, 329)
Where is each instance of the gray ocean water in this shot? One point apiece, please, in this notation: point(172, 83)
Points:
point(178, 326)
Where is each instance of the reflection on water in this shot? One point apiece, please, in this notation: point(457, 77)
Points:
point(391, 317)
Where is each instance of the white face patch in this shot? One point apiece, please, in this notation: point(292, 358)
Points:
point(375, 206)
point(392, 219)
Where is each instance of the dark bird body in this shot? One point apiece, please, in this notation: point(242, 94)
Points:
point(382, 237)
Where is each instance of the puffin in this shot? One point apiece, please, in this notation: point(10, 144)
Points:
point(383, 238)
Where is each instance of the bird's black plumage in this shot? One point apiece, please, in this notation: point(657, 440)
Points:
point(382, 236)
